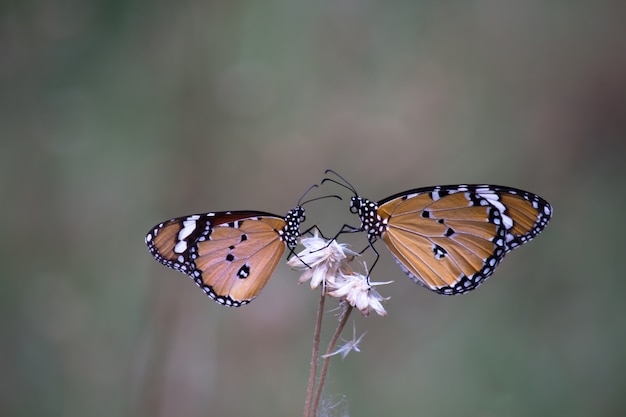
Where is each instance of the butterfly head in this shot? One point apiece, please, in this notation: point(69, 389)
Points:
point(367, 210)
point(291, 232)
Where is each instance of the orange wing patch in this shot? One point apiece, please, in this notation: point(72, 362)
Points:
point(521, 211)
point(442, 243)
point(238, 262)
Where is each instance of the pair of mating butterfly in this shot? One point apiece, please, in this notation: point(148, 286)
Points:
point(446, 238)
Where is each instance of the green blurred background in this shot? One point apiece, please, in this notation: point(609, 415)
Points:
point(117, 115)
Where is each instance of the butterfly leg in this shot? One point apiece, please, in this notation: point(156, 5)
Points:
point(307, 231)
point(292, 253)
point(314, 227)
point(371, 245)
point(346, 228)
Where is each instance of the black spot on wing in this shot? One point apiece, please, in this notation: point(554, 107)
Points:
point(244, 271)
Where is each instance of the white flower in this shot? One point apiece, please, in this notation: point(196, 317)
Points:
point(328, 263)
point(321, 261)
point(357, 290)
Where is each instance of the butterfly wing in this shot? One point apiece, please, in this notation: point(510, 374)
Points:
point(230, 255)
point(451, 238)
point(524, 214)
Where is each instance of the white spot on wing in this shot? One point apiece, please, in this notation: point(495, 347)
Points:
point(494, 200)
point(189, 226)
point(180, 247)
point(508, 222)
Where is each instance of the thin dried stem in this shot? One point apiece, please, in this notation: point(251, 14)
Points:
point(331, 346)
point(314, 355)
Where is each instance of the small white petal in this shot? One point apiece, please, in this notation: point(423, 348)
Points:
point(321, 260)
point(358, 292)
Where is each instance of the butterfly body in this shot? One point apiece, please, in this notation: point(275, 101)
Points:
point(230, 255)
point(450, 238)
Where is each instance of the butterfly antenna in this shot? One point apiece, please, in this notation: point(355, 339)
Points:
point(306, 192)
point(344, 184)
point(315, 226)
point(320, 198)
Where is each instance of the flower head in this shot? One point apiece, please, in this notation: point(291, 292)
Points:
point(328, 263)
point(359, 292)
point(321, 261)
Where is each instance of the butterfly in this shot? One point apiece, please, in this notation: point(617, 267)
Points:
point(231, 255)
point(450, 238)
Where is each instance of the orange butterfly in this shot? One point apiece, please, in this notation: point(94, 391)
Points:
point(231, 255)
point(450, 238)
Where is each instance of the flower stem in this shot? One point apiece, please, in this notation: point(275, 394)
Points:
point(314, 355)
point(331, 346)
